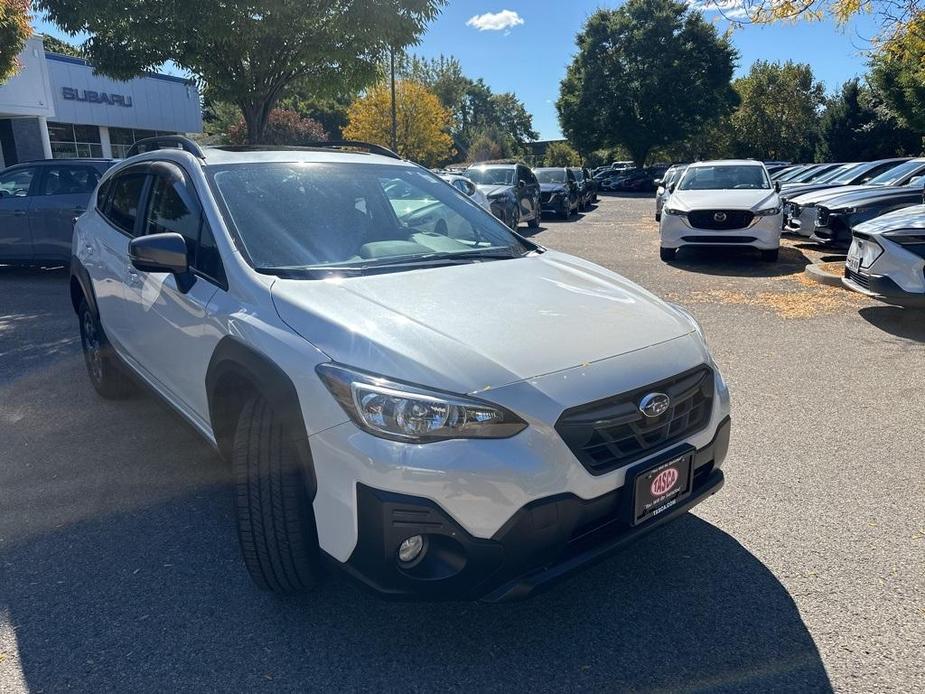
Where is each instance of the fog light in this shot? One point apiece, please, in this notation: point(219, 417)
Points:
point(410, 549)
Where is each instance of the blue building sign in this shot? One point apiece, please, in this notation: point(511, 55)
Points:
point(95, 97)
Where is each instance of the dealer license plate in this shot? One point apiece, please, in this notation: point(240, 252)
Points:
point(659, 488)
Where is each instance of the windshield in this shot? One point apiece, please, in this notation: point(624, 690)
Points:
point(550, 175)
point(300, 217)
point(791, 174)
point(850, 174)
point(491, 176)
point(834, 173)
point(725, 177)
point(893, 176)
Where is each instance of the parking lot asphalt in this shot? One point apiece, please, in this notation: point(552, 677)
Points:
point(119, 567)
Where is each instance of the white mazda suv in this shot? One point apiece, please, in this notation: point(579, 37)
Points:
point(722, 203)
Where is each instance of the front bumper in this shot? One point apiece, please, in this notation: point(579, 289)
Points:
point(763, 233)
point(883, 288)
point(543, 542)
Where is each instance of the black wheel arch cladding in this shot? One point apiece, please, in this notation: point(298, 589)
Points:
point(247, 372)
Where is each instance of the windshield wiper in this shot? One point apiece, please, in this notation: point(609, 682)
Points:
point(426, 260)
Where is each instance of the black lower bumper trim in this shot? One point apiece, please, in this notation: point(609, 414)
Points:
point(541, 543)
point(883, 289)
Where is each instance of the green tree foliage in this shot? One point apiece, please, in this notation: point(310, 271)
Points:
point(14, 32)
point(479, 116)
point(55, 45)
point(252, 52)
point(646, 75)
point(779, 112)
point(561, 154)
point(898, 75)
point(855, 126)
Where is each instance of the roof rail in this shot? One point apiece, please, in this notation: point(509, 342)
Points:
point(149, 144)
point(329, 144)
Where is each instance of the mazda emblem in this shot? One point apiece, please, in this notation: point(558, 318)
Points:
point(719, 217)
point(654, 404)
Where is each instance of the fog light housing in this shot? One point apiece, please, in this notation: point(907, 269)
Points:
point(411, 548)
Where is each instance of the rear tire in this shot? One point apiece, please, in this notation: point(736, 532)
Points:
point(770, 256)
point(566, 211)
point(667, 254)
point(537, 217)
point(276, 525)
point(105, 373)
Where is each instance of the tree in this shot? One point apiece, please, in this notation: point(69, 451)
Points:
point(617, 90)
point(856, 126)
point(898, 75)
point(778, 116)
point(283, 128)
point(561, 154)
point(477, 112)
point(251, 52)
point(423, 122)
point(53, 44)
point(14, 32)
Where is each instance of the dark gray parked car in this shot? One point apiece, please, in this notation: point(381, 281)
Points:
point(39, 201)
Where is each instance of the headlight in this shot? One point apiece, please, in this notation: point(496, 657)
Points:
point(693, 321)
point(674, 211)
point(403, 412)
point(768, 212)
point(852, 210)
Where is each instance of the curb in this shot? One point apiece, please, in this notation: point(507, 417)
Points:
point(817, 274)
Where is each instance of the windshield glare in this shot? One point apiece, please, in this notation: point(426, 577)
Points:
point(309, 216)
point(725, 177)
point(550, 175)
point(834, 173)
point(491, 176)
point(850, 174)
point(896, 174)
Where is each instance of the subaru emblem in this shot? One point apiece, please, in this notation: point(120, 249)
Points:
point(654, 404)
point(719, 217)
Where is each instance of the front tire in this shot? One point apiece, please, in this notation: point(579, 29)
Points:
point(276, 525)
point(667, 254)
point(107, 377)
point(537, 217)
point(770, 256)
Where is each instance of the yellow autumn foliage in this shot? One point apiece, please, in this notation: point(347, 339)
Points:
point(422, 122)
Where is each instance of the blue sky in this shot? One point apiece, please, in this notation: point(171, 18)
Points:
point(524, 46)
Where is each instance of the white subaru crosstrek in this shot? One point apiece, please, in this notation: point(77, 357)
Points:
point(886, 260)
point(405, 389)
point(723, 203)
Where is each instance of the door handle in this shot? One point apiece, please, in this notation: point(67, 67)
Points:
point(19, 213)
point(88, 248)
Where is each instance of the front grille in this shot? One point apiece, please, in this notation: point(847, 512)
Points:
point(545, 197)
point(612, 432)
point(718, 239)
point(720, 220)
point(858, 278)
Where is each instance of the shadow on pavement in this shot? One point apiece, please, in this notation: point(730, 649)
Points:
point(907, 323)
point(739, 262)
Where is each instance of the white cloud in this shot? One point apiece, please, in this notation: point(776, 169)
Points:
point(496, 21)
point(730, 9)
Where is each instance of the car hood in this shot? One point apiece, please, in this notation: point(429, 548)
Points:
point(872, 195)
point(792, 190)
point(490, 190)
point(817, 196)
point(467, 328)
point(552, 187)
point(906, 218)
point(723, 199)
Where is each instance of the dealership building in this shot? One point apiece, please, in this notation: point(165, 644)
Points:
point(56, 108)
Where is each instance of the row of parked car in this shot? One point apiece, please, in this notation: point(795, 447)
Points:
point(875, 209)
point(517, 194)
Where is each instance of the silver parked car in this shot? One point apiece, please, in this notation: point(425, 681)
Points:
point(39, 202)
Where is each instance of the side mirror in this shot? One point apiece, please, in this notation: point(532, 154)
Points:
point(657, 181)
point(776, 186)
point(160, 253)
point(671, 188)
point(521, 184)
